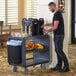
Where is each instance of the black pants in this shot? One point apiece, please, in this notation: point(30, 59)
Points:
point(58, 41)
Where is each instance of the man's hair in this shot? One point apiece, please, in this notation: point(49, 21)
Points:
point(52, 3)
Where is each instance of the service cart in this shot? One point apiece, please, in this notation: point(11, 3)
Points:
point(17, 52)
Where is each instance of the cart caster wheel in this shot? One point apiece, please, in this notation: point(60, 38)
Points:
point(14, 69)
point(25, 71)
point(43, 67)
point(34, 66)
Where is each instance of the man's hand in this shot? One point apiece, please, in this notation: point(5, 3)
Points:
point(46, 31)
point(43, 26)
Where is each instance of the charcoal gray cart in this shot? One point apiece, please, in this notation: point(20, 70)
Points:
point(39, 57)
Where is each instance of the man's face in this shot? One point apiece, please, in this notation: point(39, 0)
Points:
point(51, 8)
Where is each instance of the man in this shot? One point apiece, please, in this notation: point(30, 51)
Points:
point(58, 28)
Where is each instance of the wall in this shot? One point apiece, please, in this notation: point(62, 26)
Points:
point(43, 11)
point(69, 21)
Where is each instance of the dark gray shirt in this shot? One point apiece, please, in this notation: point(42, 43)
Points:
point(60, 30)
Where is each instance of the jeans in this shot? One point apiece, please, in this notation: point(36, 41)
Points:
point(61, 57)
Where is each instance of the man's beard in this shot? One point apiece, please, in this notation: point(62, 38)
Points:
point(52, 10)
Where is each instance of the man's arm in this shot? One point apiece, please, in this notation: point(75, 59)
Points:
point(56, 23)
point(46, 25)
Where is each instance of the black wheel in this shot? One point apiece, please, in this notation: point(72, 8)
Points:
point(43, 67)
point(14, 69)
point(25, 70)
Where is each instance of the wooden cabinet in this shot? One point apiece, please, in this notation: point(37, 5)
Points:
point(3, 37)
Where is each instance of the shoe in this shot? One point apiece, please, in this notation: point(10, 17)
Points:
point(65, 69)
point(56, 68)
